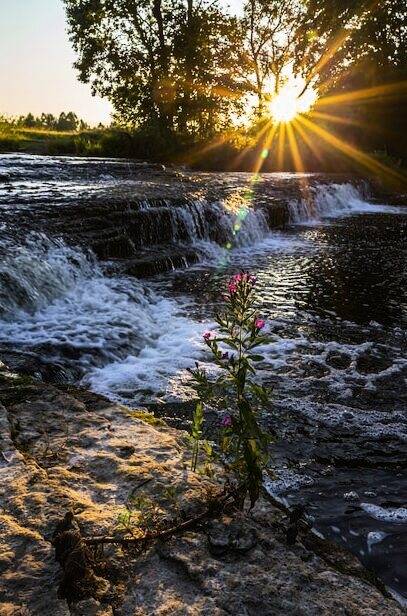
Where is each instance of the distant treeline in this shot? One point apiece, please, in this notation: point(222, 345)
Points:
point(66, 121)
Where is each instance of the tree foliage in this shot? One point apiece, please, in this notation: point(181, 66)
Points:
point(270, 28)
point(182, 71)
point(352, 43)
point(164, 63)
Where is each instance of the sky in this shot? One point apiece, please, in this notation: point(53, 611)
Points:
point(36, 58)
point(36, 63)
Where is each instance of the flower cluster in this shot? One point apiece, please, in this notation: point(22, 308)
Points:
point(242, 440)
point(240, 287)
point(243, 277)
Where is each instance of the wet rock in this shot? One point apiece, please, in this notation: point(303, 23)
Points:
point(119, 247)
point(160, 259)
point(119, 208)
point(33, 365)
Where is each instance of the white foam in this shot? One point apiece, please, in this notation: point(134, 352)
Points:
point(375, 537)
point(397, 515)
point(371, 423)
point(351, 496)
point(397, 597)
point(120, 323)
point(286, 481)
point(158, 371)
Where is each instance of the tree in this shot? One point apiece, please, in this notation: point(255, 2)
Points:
point(348, 40)
point(270, 30)
point(162, 63)
point(48, 121)
point(67, 121)
point(357, 53)
point(29, 121)
point(208, 81)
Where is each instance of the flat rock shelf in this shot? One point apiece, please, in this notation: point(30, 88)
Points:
point(65, 449)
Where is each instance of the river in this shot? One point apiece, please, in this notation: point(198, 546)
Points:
point(111, 271)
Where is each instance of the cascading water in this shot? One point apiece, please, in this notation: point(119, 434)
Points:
point(332, 200)
point(211, 221)
point(60, 305)
point(38, 271)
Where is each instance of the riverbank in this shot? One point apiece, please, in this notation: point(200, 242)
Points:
point(68, 449)
point(52, 142)
point(235, 151)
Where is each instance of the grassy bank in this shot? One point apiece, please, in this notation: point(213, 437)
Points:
point(236, 151)
point(41, 141)
point(113, 142)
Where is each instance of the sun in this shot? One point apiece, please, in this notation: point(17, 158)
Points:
point(283, 106)
point(288, 103)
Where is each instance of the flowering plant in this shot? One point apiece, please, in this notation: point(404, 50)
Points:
point(243, 443)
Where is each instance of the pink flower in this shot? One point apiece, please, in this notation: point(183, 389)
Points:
point(225, 355)
point(207, 335)
point(232, 288)
point(227, 421)
point(252, 280)
point(259, 323)
point(242, 276)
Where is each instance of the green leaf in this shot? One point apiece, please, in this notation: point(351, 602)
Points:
point(259, 391)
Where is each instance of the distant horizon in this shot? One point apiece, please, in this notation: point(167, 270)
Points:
point(36, 64)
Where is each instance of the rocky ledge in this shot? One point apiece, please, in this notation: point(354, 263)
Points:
point(65, 450)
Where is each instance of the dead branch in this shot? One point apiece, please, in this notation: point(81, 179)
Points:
point(218, 505)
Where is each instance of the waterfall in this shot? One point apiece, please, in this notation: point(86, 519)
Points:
point(36, 272)
point(326, 200)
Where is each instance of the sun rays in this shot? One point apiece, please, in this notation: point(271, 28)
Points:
point(297, 121)
point(290, 130)
point(303, 128)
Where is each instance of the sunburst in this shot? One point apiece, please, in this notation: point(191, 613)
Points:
point(289, 103)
